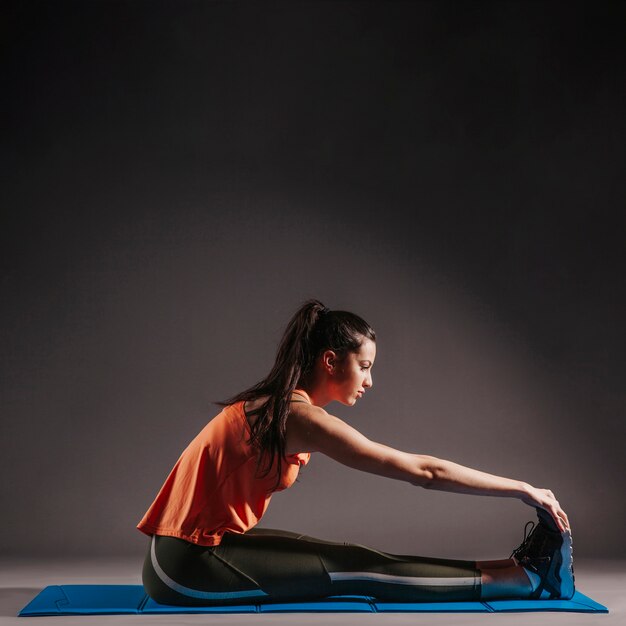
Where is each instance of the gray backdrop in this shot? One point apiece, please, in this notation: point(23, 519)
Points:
point(180, 176)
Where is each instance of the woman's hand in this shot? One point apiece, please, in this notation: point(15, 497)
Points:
point(545, 499)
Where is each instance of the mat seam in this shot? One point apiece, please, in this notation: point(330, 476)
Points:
point(143, 603)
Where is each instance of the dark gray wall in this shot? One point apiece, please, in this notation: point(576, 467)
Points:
point(179, 176)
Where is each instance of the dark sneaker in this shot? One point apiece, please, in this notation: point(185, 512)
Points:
point(548, 553)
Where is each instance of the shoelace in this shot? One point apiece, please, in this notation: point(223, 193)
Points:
point(526, 541)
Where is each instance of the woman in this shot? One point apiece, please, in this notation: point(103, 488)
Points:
point(204, 549)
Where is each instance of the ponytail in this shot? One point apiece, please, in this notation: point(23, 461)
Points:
point(313, 329)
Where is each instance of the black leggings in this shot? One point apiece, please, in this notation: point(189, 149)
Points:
point(265, 565)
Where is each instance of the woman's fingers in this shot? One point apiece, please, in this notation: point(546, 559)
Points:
point(552, 505)
point(546, 499)
point(557, 520)
point(561, 521)
point(561, 518)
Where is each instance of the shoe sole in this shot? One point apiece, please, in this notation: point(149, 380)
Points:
point(566, 570)
point(563, 575)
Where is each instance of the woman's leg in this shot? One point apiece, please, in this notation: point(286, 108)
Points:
point(502, 581)
point(266, 565)
point(497, 564)
point(502, 578)
point(270, 566)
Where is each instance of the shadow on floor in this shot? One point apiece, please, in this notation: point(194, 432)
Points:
point(14, 599)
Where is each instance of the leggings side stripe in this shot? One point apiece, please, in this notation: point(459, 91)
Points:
point(417, 581)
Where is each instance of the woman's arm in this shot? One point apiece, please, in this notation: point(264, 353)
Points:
point(312, 429)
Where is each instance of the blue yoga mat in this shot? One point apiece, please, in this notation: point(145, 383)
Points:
point(117, 599)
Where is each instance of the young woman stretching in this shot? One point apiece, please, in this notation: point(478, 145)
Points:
point(204, 549)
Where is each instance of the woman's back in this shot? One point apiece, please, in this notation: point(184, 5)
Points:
point(215, 486)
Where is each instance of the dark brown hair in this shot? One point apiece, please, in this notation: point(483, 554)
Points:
point(313, 329)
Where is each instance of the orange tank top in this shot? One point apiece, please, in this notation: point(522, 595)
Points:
point(214, 487)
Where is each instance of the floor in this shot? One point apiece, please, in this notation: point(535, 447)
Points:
point(20, 581)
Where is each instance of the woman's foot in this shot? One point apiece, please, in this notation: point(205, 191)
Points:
point(546, 555)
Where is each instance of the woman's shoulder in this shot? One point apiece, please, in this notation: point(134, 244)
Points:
point(252, 405)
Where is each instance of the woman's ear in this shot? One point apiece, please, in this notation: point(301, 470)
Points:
point(329, 361)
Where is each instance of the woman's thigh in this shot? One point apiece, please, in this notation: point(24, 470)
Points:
point(181, 573)
point(252, 568)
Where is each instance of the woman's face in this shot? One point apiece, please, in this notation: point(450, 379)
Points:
point(353, 374)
